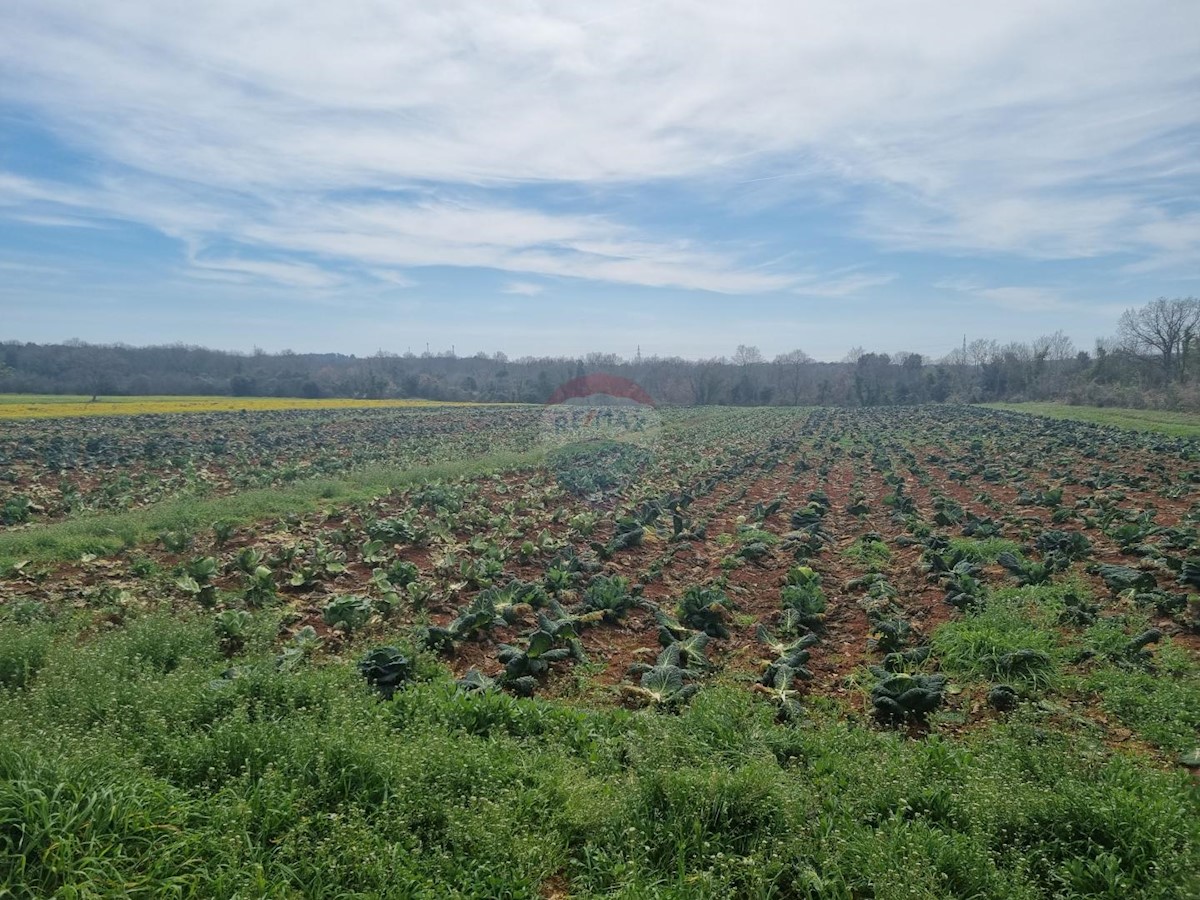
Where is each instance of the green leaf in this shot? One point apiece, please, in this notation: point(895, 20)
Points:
point(663, 681)
point(539, 643)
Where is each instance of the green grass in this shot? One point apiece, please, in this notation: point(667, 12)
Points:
point(130, 768)
point(983, 643)
point(872, 555)
point(1164, 711)
point(1175, 424)
point(1158, 696)
point(109, 533)
point(984, 550)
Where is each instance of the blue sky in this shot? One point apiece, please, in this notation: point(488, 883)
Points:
point(560, 177)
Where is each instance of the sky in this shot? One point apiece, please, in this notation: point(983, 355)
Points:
point(547, 178)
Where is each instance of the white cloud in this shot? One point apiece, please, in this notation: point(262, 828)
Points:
point(286, 273)
point(1026, 298)
point(392, 277)
point(1018, 298)
point(1057, 130)
point(388, 234)
point(842, 285)
point(523, 288)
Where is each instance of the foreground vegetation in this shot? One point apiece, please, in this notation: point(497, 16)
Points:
point(932, 652)
point(138, 760)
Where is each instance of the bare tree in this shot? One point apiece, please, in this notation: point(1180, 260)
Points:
point(1163, 327)
point(745, 356)
point(746, 387)
point(982, 350)
point(1054, 347)
point(706, 380)
point(956, 357)
point(792, 367)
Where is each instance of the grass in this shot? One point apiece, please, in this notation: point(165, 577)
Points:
point(1164, 711)
point(109, 533)
point(871, 554)
point(989, 642)
point(130, 767)
point(42, 406)
point(1157, 696)
point(984, 550)
point(1175, 424)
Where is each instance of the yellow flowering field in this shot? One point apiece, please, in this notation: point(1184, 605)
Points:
point(38, 406)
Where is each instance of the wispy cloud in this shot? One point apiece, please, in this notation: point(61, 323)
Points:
point(313, 147)
point(1026, 298)
point(841, 285)
point(286, 273)
point(1018, 298)
point(523, 288)
point(417, 232)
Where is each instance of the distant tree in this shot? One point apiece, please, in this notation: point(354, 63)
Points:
point(795, 357)
point(1054, 347)
point(746, 356)
point(706, 381)
point(1163, 327)
point(242, 386)
point(871, 379)
point(602, 361)
point(791, 368)
point(745, 390)
point(981, 351)
point(938, 385)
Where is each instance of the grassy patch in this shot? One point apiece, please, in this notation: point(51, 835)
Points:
point(984, 550)
point(109, 533)
point(23, 651)
point(870, 554)
point(1176, 424)
point(1010, 639)
point(130, 767)
point(1163, 710)
point(1155, 693)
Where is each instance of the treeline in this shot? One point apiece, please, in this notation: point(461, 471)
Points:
point(1149, 363)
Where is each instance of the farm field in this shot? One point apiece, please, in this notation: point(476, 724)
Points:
point(1177, 424)
point(912, 652)
point(43, 406)
point(61, 468)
